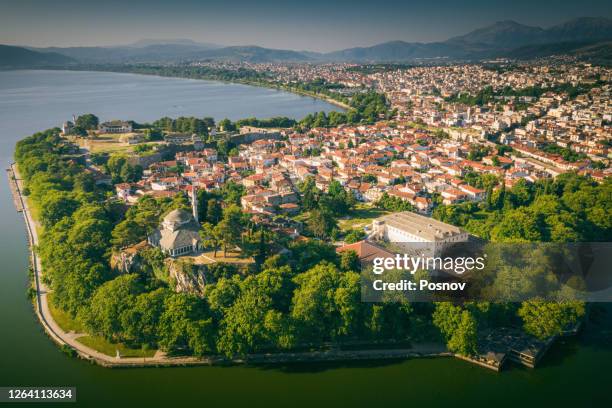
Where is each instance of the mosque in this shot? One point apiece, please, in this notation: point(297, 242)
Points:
point(178, 234)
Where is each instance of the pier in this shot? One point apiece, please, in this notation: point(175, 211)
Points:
point(501, 345)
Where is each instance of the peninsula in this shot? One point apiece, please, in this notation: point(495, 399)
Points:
point(186, 241)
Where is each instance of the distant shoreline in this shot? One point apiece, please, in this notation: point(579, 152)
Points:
point(294, 91)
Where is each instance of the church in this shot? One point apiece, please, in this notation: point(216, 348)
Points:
point(178, 234)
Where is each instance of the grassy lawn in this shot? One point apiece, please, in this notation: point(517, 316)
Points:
point(34, 213)
point(104, 144)
point(111, 143)
point(35, 217)
point(31, 207)
point(110, 349)
point(362, 215)
point(231, 257)
point(63, 319)
point(95, 147)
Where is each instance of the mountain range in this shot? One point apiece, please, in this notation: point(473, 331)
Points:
point(18, 57)
point(588, 37)
point(496, 40)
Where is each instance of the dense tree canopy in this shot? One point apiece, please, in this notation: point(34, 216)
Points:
point(569, 209)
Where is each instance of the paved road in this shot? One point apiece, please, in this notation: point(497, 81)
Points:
point(44, 314)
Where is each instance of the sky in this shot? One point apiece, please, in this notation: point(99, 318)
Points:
point(315, 25)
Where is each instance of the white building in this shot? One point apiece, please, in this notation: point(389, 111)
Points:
point(67, 127)
point(406, 226)
point(177, 235)
point(115, 126)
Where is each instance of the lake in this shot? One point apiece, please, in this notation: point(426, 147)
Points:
point(576, 372)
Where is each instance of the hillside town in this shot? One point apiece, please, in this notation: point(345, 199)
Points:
point(452, 125)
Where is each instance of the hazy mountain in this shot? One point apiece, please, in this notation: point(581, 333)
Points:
point(174, 52)
point(19, 57)
point(599, 52)
point(503, 38)
point(253, 53)
point(141, 51)
point(505, 34)
point(545, 50)
point(395, 51)
point(173, 41)
point(498, 39)
point(121, 54)
point(581, 29)
point(510, 34)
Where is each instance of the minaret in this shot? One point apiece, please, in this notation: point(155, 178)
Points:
point(194, 203)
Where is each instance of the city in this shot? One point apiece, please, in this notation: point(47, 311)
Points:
point(306, 204)
point(447, 142)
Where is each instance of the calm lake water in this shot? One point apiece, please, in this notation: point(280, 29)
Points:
point(574, 373)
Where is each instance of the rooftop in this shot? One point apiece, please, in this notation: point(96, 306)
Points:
point(178, 215)
point(419, 225)
point(366, 251)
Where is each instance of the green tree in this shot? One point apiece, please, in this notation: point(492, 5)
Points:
point(464, 338)
point(227, 125)
point(109, 302)
point(186, 326)
point(310, 194)
point(213, 211)
point(321, 223)
point(87, 121)
point(337, 200)
point(354, 235)
point(544, 319)
point(121, 170)
point(232, 192)
point(255, 320)
point(140, 322)
point(222, 294)
point(458, 326)
point(326, 303)
point(211, 237)
point(349, 261)
point(230, 228)
point(307, 254)
point(126, 233)
point(391, 203)
point(518, 226)
point(55, 206)
point(90, 238)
